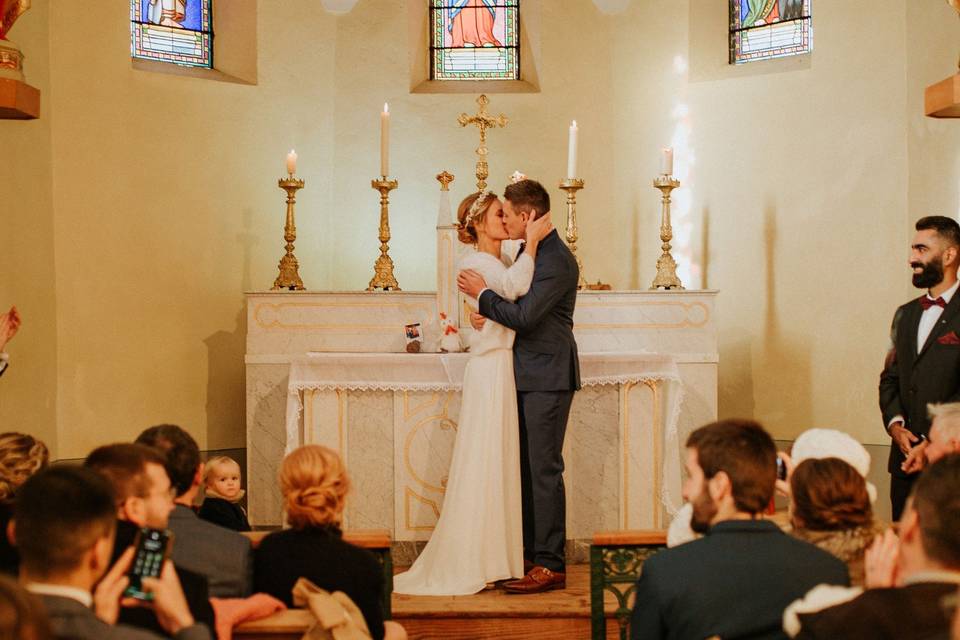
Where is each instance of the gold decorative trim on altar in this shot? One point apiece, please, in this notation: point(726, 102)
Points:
point(277, 324)
point(685, 323)
point(411, 494)
point(656, 429)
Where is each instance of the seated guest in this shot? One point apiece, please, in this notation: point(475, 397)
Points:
point(943, 438)
point(64, 526)
point(221, 555)
point(22, 616)
point(314, 485)
point(222, 495)
point(830, 508)
point(907, 579)
point(144, 499)
point(20, 457)
point(735, 581)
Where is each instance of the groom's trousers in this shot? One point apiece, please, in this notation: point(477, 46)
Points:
point(543, 423)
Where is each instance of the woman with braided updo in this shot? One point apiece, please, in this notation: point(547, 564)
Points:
point(21, 456)
point(314, 484)
point(479, 536)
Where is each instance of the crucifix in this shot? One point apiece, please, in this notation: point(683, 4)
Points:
point(483, 121)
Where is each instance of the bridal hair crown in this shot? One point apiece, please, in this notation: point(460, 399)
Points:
point(477, 207)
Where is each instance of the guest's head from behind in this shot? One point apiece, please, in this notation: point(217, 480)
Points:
point(931, 520)
point(314, 484)
point(480, 215)
point(182, 458)
point(816, 444)
point(944, 436)
point(222, 478)
point(827, 494)
point(935, 251)
point(523, 201)
point(21, 456)
point(65, 518)
point(22, 616)
point(139, 479)
point(731, 469)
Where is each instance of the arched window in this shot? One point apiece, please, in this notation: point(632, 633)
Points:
point(175, 31)
point(475, 39)
point(763, 29)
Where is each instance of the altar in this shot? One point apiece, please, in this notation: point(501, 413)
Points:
point(331, 368)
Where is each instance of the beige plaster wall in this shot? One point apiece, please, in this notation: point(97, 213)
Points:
point(801, 178)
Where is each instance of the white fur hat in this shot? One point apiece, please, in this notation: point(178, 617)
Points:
point(830, 443)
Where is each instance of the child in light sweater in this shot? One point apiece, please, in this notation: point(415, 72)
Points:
point(221, 505)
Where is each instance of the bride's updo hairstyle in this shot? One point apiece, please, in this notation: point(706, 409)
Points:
point(314, 484)
point(471, 213)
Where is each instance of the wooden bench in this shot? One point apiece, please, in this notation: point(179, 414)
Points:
point(616, 558)
point(377, 541)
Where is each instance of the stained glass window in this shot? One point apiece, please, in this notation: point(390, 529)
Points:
point(475, 39)
point(763, 29)
point(176, 31)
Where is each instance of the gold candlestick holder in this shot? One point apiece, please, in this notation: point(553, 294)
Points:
point(383, 279)
point(666, 266)
point(571, 186)
point(289, 277)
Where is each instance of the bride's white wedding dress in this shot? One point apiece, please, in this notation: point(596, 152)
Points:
point(479, 536)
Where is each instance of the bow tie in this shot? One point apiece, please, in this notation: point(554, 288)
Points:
point(926, 302)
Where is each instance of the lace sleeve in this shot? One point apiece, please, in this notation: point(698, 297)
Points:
point(517, 279)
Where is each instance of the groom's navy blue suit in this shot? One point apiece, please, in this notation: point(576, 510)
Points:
point(547, 371)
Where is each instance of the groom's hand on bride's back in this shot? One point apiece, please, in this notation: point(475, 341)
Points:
point(471, 283)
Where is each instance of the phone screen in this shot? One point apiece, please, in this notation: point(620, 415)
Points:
point(151, 551)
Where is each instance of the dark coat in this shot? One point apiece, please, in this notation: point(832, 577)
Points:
point(222, 512)
point(735, 582)
point(909, 380)
point(70, 619)
point(544, 351)
point(222, 556)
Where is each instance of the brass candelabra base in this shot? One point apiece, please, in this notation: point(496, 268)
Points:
point(383, 278)
point(289, 277)
point(666, 277)
point(571, 186)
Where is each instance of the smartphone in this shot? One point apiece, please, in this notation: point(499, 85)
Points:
point(152, 547)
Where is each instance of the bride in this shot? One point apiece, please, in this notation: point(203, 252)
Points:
point(478, 538)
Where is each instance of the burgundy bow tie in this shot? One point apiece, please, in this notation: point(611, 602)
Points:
point(926, 303)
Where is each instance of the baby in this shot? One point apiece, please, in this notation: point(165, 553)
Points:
point(223, 494)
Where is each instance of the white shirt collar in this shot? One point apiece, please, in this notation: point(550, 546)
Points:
point(948, 294)
point(62, 591)
point(933, 576)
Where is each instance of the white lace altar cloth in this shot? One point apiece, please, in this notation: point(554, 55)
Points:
point(444, 372)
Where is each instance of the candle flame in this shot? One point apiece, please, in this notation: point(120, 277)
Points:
point(386, 108)
point(574, 124)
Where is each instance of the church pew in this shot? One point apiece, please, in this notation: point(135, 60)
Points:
point(616, 558)
point(377, 541)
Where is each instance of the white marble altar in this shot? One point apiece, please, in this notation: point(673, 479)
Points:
point(396, 440)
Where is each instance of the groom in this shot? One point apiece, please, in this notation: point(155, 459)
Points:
point(547, 372)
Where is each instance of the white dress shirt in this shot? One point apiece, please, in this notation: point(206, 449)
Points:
point(928, 320)
point(61, 591)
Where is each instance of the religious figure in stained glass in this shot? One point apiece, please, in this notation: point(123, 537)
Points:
point(475, 39)
point(177, 31)
point(762, 29)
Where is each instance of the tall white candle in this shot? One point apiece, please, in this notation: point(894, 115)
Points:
point(292, 162)
point(385, 140)
point(666, 161)
point(572, 151)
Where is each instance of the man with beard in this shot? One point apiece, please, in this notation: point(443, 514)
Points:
point(923, 364)
point(736, 581)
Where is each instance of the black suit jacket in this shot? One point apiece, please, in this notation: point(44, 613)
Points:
point(734, 582)
point(902, 613)
point(909, 380)
point(70, 619)
point(544, 351)
point(224, 513)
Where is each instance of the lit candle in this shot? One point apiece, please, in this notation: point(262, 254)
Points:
point(666, 161)
point(292, 162)
point(385, 141)
point(572, 151)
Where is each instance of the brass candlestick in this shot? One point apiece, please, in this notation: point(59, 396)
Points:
point(383, 279)
point(571, 186)
point(289, 277)
point(666, 265)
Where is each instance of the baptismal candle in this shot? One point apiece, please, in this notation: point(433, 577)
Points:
point(666, 162)
point(385, 141)
point(292, 162)
point(572, 151)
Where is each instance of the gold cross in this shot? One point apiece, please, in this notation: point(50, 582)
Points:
point(483, 121)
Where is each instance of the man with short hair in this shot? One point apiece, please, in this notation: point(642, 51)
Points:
point(144, 498)
point(64, 527)
point(910, 577)
point(221, 555)
point(736, 581)
point(923, 363)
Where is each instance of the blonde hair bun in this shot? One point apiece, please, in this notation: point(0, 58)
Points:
point(314, 484)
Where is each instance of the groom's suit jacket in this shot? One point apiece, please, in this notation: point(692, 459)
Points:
point(544, 351)
point(911, 380)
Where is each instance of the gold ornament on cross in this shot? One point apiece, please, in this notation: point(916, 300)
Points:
point(483, 121)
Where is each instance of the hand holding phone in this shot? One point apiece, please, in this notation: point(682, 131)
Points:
point(152, 547)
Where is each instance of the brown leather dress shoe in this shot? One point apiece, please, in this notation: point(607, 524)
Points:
point(538, 580)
